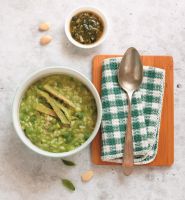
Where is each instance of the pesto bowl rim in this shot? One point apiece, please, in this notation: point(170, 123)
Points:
point(35, 77)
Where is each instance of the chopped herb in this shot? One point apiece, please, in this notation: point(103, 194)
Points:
point(68, 184)
point(80, 115)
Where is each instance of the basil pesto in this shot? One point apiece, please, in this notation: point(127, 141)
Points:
point(86, 27)
point(58, 113)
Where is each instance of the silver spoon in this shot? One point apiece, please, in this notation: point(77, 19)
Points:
point(130, 76)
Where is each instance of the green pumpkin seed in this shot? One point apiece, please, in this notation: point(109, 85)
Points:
point(68, 162)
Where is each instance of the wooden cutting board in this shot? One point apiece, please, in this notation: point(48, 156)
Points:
point(165, 154)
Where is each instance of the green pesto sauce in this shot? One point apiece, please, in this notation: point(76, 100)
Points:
point(86, 27)
point(48, 132)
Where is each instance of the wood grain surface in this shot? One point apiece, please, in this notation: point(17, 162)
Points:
point(165, 154)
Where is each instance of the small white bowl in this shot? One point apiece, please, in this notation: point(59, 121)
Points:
point(83, 9)
point(33, 78)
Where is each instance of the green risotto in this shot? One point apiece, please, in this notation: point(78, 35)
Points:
point(58, 113)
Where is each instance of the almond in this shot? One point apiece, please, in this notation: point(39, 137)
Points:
point(44, 27)
point(46, 39)
point(87, 176)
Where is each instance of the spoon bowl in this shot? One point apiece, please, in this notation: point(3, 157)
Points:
point(130, 73)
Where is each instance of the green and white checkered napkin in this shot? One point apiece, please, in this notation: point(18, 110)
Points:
point(146, 114)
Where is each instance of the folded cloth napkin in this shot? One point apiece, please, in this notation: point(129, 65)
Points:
point(146, 114)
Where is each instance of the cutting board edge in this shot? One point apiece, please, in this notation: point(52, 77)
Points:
point(116, 55)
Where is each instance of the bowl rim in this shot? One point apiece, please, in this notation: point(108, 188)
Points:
point(81, 9)
point(44, 73)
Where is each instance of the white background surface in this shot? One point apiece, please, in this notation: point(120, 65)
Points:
point(154, 27)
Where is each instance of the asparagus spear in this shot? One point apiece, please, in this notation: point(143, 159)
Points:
point(65, 110)
point(53, 104)
point(58, 95)
point(44, 109)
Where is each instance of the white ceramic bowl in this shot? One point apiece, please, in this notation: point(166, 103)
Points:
point(33, 78)
point(82, 9)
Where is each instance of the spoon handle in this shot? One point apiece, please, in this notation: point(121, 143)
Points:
point(128, 158)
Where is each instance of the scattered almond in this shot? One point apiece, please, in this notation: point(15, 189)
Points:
point(46, 39)
point(44, 27)
point(87, 176)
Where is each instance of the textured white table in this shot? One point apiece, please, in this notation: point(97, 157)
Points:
point(154, 27)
